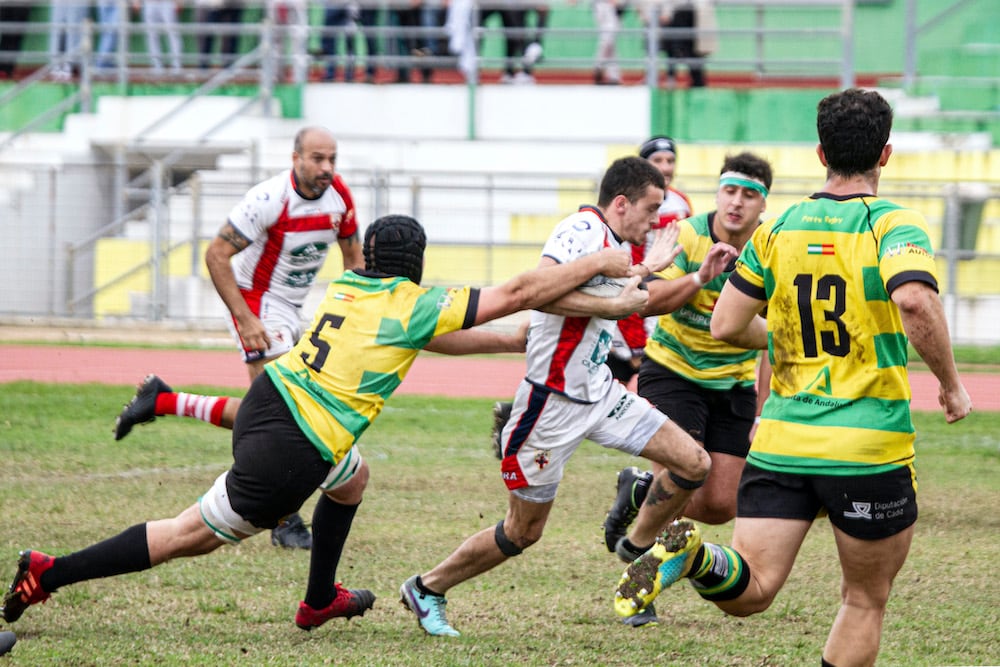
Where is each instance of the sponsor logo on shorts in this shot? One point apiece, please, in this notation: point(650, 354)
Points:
point(861, 511)
point(878, 511)
point(624, 403)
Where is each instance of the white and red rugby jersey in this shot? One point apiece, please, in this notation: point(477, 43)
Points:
point(675, 206)
point(290, 236)
point(566, 354)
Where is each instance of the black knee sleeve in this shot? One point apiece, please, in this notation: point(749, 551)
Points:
point(507, 548)
point(686, 484)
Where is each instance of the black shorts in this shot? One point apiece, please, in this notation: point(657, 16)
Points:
point(621, 369)
point(720, 420)
point(275, 466)
point(867, 507)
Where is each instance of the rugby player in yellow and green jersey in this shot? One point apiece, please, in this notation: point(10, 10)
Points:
point(383, 322)
point(681, 340)
point(847, 279)
point(840, 398)
point(296, 428)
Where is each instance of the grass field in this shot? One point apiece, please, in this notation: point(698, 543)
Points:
point(65, 483)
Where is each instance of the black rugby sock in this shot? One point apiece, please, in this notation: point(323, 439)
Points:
point(330, 525)
point(126, 552)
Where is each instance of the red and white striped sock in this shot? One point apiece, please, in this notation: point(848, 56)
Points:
point(205, 408)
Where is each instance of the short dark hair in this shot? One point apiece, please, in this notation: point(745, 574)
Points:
point(629, 176)
point(853, 127)
point(749, 164)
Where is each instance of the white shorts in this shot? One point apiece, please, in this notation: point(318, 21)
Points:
point(282, 322)
point(545, 429)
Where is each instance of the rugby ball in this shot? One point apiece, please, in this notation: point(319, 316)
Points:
point(603, 286)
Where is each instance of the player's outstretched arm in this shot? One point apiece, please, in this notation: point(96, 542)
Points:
point(664, 250)
point(925, 324)
point(630, 300)
point(737, 321)
point(532, 289)
point(666, 296)
point(478, 340)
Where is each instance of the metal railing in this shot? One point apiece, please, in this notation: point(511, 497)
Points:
point(384, 42)
point(471, 218)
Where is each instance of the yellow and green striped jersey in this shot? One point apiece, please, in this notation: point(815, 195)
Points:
point(840, 397)
point(681, 340)
point(360, 345)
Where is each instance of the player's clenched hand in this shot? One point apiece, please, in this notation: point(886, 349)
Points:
point(665, 250)
point(632, 298)
point(615, 262)
point(252, 333)
point(956, 403)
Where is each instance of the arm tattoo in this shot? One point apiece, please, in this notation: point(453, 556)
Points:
point(229, 234)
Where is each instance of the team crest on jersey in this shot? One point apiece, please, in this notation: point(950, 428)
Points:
point(600, 353)
point(445, 301)
point(542, 459)
point(309, 253)
point(300, 278)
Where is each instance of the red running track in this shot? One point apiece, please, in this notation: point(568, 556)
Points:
point(435, 375)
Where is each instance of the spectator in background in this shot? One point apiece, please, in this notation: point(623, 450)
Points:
point(683, 44)
point(11, 38)
point(608, 19)
point(160, 19)
point(432, 21)
point(351, 16)
point(110, 15)
point(514, 22)
point(66, 18)
point(533, 50)
point(406, 43)
point(339, 22)
point(291, 21)
point(218, 11)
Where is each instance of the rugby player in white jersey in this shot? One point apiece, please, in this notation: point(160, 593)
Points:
point(263, 262)
point(569, 395)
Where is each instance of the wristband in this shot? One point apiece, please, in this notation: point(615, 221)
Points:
point(756, 420)
point(697, 279)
